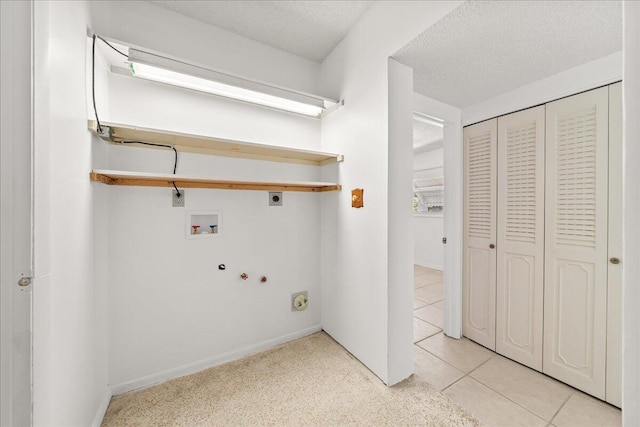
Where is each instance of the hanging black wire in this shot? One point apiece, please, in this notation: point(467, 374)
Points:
point(175, 152)
point(95, 110)
point(93, 82)
point(111, 46)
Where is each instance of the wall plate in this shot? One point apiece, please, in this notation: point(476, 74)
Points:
point(275, 198)
point(299, 301)
point(357, 198)
point(177, 202)
point(203, 224)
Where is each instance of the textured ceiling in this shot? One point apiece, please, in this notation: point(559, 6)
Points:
point(485, 48)
point(310, 29)
point(426, 137)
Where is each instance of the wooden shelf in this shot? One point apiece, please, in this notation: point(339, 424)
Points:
point(166, 180)
point(213, 146)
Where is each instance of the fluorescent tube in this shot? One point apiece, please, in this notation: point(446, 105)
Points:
point(190, 81)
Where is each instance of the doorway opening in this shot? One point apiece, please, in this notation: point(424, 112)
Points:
point(428, 225)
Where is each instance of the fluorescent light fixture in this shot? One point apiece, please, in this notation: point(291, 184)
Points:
point(428, 120)
point(164, 70)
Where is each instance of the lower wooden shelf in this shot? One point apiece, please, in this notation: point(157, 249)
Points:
point(142, 179)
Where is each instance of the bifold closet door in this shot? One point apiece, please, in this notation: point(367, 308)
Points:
point(576, 203)
point(520, 240)
point(479, 264)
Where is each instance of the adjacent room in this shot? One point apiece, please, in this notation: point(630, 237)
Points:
point(540, 106)
point(320, 213)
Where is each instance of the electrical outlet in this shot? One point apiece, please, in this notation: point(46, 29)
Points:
point(177, 202)
point(299, 301)
point(275, 198)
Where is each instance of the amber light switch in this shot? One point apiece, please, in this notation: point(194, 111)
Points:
point(357, 200)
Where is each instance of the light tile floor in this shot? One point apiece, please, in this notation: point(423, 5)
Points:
point(496, 390)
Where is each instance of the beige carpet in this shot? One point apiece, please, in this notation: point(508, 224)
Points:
point(309, 382)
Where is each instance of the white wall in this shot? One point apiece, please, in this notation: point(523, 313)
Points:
point(400, 274)
point(428, 231)
point(150, 104)
point(70, 291)
point(119, 254)
point(428, 159)
point(355, 252)
point(171, 311)
point(631, 223)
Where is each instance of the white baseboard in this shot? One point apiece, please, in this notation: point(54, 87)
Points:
point(424, 264)
point(194, 367)
point(102, 409)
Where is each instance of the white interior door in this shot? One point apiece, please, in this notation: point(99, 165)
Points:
point(520, 238)
point(575, 307)
point(479, 254)
point(614, 299)
point(16, 224)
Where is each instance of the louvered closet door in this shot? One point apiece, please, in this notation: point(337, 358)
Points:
point(479, 266)
point(520, 243)
point(575, 307)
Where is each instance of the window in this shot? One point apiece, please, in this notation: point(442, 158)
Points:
point(428, 194)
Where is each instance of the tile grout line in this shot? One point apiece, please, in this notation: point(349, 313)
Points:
point(437, 357)
point(549, 422)
point(562, 406)
point(425, 338)
point(495, 391)
point(499, 393)
point(455, 382)
point(426, 321)
point(465, 375)
point(509, 399)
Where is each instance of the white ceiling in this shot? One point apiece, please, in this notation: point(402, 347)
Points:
point(485, 48)
point(426, 137)
point(310, 29)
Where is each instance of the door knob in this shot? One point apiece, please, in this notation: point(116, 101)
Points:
point(614, 261)
point(491, 246)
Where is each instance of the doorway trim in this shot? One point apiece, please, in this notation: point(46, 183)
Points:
point(16, 189)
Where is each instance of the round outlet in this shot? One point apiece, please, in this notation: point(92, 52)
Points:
point(300, 302)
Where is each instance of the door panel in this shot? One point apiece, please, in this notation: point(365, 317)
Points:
point(16, 227)
point(575, 289)
point(479, 269)
point(575, 286)
point(614, 300)
point(520, 236)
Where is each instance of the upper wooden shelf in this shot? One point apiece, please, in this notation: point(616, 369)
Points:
point(167, 180)
point(214, 146)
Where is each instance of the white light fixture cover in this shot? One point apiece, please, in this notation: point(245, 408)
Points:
point(164, 70)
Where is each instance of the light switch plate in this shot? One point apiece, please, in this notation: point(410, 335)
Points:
point(177, 202)
point(275, 198)
point(357, 198)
